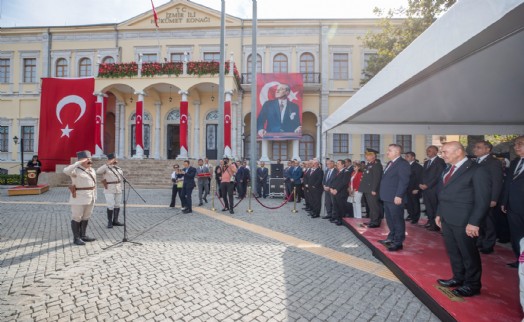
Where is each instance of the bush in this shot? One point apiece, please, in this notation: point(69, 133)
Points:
point(10, 179)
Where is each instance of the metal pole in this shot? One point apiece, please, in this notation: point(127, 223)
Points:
point(249, 209)
point(253, 134)
point(213, 192)
point(294, 210)
point(22, 159)
point(221, 90)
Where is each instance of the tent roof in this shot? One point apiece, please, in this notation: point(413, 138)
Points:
point(463, 75)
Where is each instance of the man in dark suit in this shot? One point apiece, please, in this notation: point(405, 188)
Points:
point(513, 198)
point(296, 179)
point(287, 178)
point(393, 187)
point(413, 194)
point(203, 174)
point(187, 187)
point(433, 168)
point(330, 174)
point(339, 191)
point(464, 196)
point(370, 185)
point(349, 206)
point(305, 186)
point(242, 178)
point(281, 114)
point(262, 176)
point(315, 188)
point(488, 235)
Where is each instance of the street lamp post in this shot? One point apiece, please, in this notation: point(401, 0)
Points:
point(15, 139)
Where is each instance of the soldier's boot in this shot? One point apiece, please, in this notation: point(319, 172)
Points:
point(75, 227)
point(109, 218)
point(83, 228)
point(115, 218)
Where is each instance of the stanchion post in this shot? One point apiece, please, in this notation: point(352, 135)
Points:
point(294, 200)
point(249, 210)
point(213, 196)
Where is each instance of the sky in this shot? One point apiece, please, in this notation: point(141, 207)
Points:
point(20, 13)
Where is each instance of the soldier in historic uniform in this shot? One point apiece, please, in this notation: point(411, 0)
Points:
point(112, 181)
point(83, 195)
point(370, 185)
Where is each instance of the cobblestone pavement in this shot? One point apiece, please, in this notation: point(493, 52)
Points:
point(270, 265)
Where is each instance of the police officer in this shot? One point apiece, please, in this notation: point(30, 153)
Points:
point(369, 186)
point(113, 177)
point(83, 195)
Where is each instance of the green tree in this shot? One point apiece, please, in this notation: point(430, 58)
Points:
point(397, 34)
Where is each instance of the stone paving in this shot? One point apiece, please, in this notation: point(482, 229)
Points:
point(190, 267)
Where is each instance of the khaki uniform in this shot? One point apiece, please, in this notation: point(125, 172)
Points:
point(82, 204)
point(113, 177)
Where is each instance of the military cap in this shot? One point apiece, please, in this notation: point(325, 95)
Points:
point(83, 154)
point(111, 156)
point(370, 151)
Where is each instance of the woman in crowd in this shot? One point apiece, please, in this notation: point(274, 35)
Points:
point(356, 176)
point(177, 178)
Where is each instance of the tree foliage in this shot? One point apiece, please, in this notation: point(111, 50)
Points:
point(397, 34)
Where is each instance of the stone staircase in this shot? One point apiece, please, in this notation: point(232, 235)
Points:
point(146, 173)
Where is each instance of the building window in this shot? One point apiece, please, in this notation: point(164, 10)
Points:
point(177, 57)
point(280, 150)
point(29, 70)
point(149, 58)
point(280, 65)
point(212, 56)
point(108, 60)
point(372, 141)
point(307, 147)
point(4, 138)
point(5, 70)
point(307, 67)
point(28, 136)
point(340, 143)
point(84, 67)
point(340, 66)
point(250, 67)
point(61, 68)
point(405, 141)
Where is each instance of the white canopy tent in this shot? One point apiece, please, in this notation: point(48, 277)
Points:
point(463, 75)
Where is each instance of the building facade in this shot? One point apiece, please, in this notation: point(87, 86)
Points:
point(327, 52)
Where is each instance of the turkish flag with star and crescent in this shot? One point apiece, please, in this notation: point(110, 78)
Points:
point(67, 120)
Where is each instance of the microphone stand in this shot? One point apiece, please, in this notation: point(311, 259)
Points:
point(125, 239)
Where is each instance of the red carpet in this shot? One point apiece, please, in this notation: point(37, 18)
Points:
point(423, 260)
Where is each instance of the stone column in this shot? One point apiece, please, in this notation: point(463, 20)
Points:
point(157, 130)
point(317, 143)
point(296, 154)
point(121, 107)
point(99, 128)
point(265, 147)
point(197, 135)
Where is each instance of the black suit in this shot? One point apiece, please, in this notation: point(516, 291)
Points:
point(315, 190)
point(513, 201)
point(262, 175)
point(328, 197)
point(340, 184)
point(413, 200)
point(430, 177)
point(187, 187)
point(371, 182)
point(305, 187)
point(488, 234)
point(394, 183)
point(463, 200)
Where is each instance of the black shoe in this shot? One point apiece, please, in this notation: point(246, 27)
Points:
point(109, 218)
point(386, 242)
point(373, 226)
point(231, 211)
point(116, 212)
point(79, 242)
point(332, 220)
point(326, 217)
point(187, 211)
point(449, 283)
point(465, 291)
point(83, 235)
point(225, 209)
point(486, 250)
point(394, 248)
point(172, 206)
point(338, 223)
point(200, 204)
point(433, 228)
point(205, 200)
point(315, 216)
point(513, 264)
point(413, 222)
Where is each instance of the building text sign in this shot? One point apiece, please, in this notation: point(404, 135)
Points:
point(182, 15)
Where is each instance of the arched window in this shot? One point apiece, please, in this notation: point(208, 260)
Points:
point(61, 68)
point(280, 150)
point(108, 60)
point(146, 132)
point(84, 67)
point(250, 67)
point(212, 116)
point(280, 64)
point(307, 67)
point(307, 147)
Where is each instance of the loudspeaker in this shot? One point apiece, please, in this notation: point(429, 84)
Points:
point(277, 171)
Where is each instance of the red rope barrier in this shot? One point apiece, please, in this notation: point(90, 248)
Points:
point(277, 207)
point(223, 205)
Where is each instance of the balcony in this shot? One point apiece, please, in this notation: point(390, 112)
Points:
point(307, 78)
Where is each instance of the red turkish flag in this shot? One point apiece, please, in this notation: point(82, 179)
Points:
point(183, 127)
point(67, 120)
point(227, 124)
point(139, 124)
point(155, 16)
point(98, 125)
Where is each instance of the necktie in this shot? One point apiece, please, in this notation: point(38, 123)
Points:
point(387, 166)
point(329, 175)
point(518, 169)
point(281, 107)
point(429, 163)
point(450, 173)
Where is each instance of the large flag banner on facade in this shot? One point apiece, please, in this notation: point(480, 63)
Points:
point(183, 128)
point(139, 129)
point(279, 106)
point(99, 126)
point(227, 129)
point(67, 120)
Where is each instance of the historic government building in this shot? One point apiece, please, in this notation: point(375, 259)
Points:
point(184, 50)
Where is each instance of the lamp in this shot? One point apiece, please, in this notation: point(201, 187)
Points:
point(131, 99)
point(212, 96)
point(16, 140)
point(170, 98)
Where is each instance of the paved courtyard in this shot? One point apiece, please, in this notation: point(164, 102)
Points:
point(270, 265)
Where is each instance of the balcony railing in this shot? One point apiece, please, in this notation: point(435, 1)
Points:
point(307, 78)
